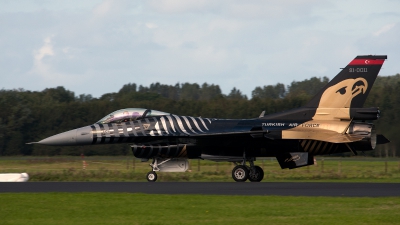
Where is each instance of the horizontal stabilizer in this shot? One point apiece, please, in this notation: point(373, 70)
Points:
point(380, 139)
point(332, 137)
point(344, 138)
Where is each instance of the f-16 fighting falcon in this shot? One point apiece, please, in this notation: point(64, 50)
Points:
point(334, 121)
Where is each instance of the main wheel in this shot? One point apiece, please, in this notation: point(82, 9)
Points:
point(151, 176)
point(240, 173)
point(256, 175)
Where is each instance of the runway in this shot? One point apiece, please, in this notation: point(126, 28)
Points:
point(212, 188)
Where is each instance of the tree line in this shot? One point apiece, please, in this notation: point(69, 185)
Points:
point(28, 116)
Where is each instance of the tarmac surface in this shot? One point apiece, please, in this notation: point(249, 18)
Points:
point(212, 188)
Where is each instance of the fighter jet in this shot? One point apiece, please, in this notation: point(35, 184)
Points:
point(334, 121)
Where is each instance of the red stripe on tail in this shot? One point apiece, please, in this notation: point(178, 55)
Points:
point(366, 62)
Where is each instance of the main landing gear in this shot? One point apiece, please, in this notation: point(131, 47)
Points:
point(241, 172)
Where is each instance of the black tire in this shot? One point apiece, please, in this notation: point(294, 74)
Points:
point(257, 175)
point(240, 173)
point(151, 176)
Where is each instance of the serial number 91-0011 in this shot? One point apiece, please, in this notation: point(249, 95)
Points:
point(358, 70)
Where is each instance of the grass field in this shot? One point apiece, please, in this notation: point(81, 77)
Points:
point(122, 208)
point(350, 169)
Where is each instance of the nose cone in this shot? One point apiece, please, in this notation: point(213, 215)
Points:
point(66, 138)
point(80, 136)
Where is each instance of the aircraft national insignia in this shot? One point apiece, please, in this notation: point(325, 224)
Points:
point(333, 121)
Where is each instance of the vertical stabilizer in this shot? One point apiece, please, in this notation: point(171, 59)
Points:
point(350, 88)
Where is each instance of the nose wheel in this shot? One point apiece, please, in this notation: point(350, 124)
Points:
point(151, 176)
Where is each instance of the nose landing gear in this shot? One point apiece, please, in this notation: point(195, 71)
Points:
point(166, 165)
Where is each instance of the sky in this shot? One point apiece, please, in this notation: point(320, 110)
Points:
point(96, 46)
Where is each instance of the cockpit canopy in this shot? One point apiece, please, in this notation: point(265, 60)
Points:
point(130, 114)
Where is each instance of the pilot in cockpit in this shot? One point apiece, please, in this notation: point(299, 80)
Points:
point(135, 115)
point(125, 116)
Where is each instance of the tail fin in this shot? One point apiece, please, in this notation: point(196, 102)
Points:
point(350, 88)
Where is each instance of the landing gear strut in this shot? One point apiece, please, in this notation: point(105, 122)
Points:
point(241, 172)
point(152, 175)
